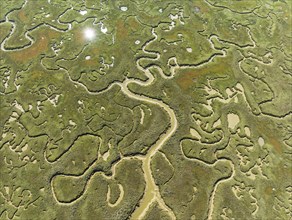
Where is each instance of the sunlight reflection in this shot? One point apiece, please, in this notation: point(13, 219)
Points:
point(89, 33)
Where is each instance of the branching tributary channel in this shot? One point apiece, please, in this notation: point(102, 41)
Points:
point(152, 193)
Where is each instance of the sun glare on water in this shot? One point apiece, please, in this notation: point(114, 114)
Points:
point(89, 33)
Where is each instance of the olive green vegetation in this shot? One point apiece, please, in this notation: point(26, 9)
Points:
point(71, 141)
point(156, 213)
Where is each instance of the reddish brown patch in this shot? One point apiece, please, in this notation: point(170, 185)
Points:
point(268, 190)
point(264, 128)
point(95, 50)
point(122, 31)
point(22, 16)
point(276, 144)
point(90, 62)
point(133, 24)
point(79, 36)
point(52, 33)
point(39, 46)
point(204, 8)
point(186, 78)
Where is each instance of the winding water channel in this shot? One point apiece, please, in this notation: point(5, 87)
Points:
point(151, 193)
